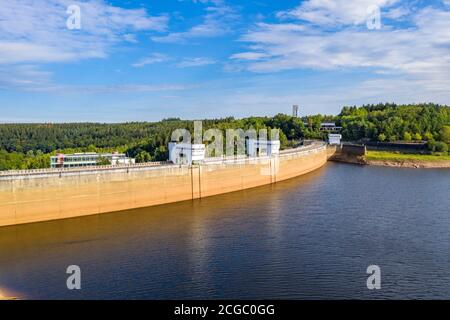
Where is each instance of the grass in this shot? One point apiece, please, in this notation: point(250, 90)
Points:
point(394, 156)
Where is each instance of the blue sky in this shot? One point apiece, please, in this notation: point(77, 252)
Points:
point(148, 60)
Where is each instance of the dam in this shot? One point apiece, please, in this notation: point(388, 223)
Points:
point(49, 194)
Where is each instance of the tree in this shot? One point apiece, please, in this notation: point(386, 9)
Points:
point(428, 136)
point(283, 139)
point(445, 134)
point(393, 121)
point(431, 145)
point(147, 141)
point(441, 147)
point(407, 136)
point(103, 161)
point(161, 154)
point(418, 137)
point(381, 137)
point(143, 156)
point(392, 138)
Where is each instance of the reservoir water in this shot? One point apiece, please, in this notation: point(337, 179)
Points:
point(307, 238)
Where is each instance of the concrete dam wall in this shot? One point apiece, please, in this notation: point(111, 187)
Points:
point(51, 194)
point(349, 153)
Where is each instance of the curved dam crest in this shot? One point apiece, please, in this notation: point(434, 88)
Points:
point(58, 194)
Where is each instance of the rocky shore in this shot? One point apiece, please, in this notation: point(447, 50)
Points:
point(409, 163)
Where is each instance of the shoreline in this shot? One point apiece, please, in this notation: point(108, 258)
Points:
point(416, 164)
point(403, 160)
point(389, 159)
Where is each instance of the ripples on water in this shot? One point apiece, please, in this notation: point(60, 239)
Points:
point(309, 237)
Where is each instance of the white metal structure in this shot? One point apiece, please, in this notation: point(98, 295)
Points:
point(87, 159)
point(186, 153)
point(334, 139)
point(295, 111)
point(256, 148)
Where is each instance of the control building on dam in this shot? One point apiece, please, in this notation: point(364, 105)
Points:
point(49, 194)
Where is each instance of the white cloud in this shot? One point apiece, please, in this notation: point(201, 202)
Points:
point(152, 59)
point(422, 49)
point(401, 62)
point(216, 2)
point(249, 56)
point(216, 22)
point(397, 12)
point(35, 31)
point(130, 38)
point(30, 78)
point(23, 77)
point(16, 52)
point(130, 88)
point(333, 12)
point(195, 62)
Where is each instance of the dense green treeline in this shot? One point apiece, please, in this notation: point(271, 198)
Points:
point(389, 122)
point(29, 146)
point(38, 159)
point(50, 137)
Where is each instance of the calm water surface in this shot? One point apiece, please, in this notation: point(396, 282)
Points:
point(309, 237)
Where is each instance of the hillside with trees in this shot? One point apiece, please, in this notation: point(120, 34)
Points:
point(29, 146)
point(392, 123)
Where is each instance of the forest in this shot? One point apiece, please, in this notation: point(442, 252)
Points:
point(29, 146)
point(392, 123)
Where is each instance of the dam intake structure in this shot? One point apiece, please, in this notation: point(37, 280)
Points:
point(48, 194)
